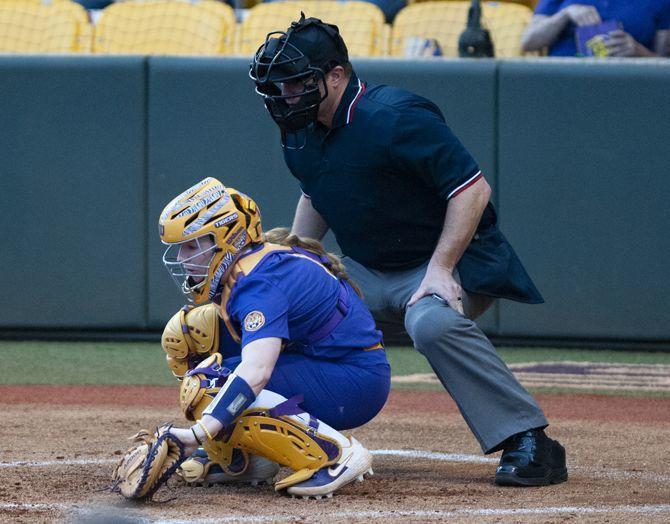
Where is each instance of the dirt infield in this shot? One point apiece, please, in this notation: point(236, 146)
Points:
point(56, 457)
point(581, 375)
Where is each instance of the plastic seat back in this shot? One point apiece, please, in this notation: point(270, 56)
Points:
point(445, 21)
point(34, 26)
point(165, 28)
point(361, 24)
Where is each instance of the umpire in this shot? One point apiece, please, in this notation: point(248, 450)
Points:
point(410, 210)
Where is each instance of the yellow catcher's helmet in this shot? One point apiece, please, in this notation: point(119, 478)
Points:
point(205, 229)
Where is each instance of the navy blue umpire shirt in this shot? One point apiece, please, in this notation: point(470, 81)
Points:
point(382, 177)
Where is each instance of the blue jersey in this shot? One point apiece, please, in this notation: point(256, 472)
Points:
point(292, 296)
point(642, 19)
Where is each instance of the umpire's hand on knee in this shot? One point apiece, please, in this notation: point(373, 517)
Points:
point(441, 282)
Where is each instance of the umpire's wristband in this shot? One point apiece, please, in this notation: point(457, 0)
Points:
point(233, 398)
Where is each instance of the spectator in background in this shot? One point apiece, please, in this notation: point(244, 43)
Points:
point(645, 26)
point(390, 8)
point(94, 4)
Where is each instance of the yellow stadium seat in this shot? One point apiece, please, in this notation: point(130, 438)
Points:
point(361, 24)
point(263, 19)
point(528, 3)
point(165, 27)
point(36, 26)
point(445, 21)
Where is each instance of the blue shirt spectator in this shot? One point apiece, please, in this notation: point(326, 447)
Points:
point(645, 26)
point(94, 4)
point(389, 7)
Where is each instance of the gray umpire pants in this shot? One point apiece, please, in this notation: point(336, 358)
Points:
point(492, 401)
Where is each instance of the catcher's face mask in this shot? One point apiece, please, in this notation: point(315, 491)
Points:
point(189, 263)
point(289, 70)
point(205, 229)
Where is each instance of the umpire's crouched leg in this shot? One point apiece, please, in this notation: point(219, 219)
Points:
point(493, 403)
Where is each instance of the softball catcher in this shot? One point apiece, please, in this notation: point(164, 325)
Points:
point(274, 366)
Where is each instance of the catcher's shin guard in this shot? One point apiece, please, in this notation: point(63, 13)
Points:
point(275, 428)
point(287, 435)
point(200, 469)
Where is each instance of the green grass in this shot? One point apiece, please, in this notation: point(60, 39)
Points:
point(99, 363)
point(144, 362)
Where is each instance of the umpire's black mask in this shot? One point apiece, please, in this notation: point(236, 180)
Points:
point(301, 56)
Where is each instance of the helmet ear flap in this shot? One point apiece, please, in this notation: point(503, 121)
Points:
point(241, 204)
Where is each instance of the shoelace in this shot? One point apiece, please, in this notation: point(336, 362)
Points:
point(526, 442)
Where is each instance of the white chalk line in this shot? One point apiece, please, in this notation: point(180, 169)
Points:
point(35, 507)
point(434, 514)
point(408, 453)
point(433, 455)
point(457, 457)
point(47, 463)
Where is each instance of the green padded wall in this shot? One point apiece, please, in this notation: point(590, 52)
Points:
point(72, 192)
point(583, 184)
point(94, 147)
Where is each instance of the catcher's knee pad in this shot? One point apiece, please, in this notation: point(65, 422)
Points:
point(190, 333)
point(284, 440)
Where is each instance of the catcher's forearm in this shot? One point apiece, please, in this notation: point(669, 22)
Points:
point(228, 404)
point(258, 362)
point(240, 389)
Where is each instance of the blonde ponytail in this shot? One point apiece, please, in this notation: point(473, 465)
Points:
point(282, 236)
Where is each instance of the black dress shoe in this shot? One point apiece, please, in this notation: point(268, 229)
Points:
point(531, 458)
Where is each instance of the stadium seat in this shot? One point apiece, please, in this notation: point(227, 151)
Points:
point(37, 26)
point(361, 24)
point(528, 3)
point(445, 20)
point(165, 27)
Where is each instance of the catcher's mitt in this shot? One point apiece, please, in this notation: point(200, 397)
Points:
point(148, 464)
